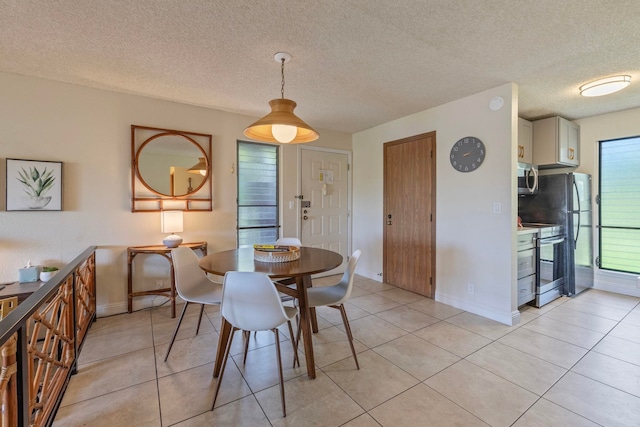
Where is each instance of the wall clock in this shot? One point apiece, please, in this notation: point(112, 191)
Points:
point(467, 154)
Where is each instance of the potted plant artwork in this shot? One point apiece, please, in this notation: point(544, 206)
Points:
point(47, 273)
point(36, 184)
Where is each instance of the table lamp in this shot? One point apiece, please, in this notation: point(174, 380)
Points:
point(171, 222)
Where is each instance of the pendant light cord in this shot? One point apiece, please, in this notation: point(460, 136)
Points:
point(282, 72)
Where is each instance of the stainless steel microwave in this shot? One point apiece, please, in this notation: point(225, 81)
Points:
point(527, 179)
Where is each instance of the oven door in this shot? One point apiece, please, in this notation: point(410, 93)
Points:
point(550, 283)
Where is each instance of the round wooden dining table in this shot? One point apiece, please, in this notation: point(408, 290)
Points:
point(311, 261)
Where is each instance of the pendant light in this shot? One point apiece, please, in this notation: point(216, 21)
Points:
point(200, 167)
point(281, 124)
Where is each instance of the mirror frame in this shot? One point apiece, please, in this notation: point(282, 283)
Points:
point(144, 198)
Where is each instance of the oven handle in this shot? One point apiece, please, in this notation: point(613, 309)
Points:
point(550, 241)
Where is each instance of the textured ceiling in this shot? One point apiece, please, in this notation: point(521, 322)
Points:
point(355, 64)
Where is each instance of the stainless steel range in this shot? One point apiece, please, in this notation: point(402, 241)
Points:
point(549, 257)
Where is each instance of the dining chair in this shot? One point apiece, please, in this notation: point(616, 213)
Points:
point(192, 285)
point(335, 296)
point(290, 241)
point(250, 302)
point(7, 305)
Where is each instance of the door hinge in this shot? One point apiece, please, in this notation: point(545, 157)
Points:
point(348, 167)
point(431, 217)
point(299, 196)
point(431, 280)
point(598, 199)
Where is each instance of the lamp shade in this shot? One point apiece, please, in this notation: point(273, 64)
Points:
point(200, 167)
point(282, 119)
point(605, 86)
point(171, 221)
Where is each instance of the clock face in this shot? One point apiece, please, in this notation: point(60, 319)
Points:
point(467, 154)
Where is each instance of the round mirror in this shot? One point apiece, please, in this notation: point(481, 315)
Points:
point(172, 165)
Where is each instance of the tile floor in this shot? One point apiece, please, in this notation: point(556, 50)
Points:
point(575, 362)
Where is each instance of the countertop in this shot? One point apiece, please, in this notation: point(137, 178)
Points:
point(528, 230)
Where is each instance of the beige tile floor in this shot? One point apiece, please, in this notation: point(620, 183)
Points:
point(575, 362)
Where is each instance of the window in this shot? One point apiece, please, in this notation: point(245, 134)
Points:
point(257, 193)
point(619, 202)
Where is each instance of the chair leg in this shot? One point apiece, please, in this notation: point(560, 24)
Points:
point(284, 410)
point(247, 336)
point(200, 318)
point(294, 344)
point(175, 333)
point(347, 328)
point(298, 332)
point(224, 364)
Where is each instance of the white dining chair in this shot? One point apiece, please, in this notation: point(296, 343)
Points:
point(289, 241)
point(192, 285)
point(250, 302)
point(335, 296)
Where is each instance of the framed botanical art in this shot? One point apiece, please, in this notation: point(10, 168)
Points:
point(34, 185)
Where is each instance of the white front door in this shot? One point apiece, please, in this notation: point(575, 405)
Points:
point(324, 207)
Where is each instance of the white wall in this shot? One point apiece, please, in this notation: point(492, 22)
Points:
point(473, 244)
point(593, 130)
point(89, 130)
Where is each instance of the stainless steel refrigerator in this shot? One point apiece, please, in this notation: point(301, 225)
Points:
point(565, 199)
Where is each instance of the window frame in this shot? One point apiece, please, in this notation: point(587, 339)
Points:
point(600, 225)
point(276, 226)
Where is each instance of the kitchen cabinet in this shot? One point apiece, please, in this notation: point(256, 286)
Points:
point(527, 271)
point(556, 143)
point(525, 141)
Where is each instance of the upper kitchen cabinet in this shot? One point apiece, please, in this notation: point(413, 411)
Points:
point(525, 141)
point(556, 143)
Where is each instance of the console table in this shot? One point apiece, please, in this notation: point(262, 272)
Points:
point(166, 253)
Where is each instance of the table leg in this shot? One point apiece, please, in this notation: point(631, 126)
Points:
point(129, 282)
point(223, 339)
point(302, 283)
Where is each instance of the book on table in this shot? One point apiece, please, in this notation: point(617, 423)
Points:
point(271, 248)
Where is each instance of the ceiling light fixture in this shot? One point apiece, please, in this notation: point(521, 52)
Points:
point(605, 86)
point(281, 124)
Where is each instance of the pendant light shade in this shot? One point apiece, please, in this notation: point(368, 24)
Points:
point(281, 124)
point(200, 167)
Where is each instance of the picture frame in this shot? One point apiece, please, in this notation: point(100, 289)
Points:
point(33, 185)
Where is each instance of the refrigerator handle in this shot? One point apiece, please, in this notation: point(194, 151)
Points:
point(575, 241)
point(575, 188)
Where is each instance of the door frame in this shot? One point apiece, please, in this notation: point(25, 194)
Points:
point(349, 190)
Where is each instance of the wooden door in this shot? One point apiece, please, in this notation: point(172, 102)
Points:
point(325, 187)
point(409, 213)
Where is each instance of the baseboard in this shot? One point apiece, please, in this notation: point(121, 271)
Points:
point(369, 274)
point(618, 289)
point(139, 303)
point(515, 317)
point(506, 318)
point(111, 309)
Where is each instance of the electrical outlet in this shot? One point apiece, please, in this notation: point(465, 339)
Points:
point(471, 288)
